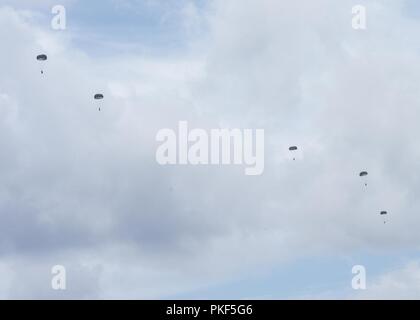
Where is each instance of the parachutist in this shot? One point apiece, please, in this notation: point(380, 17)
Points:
point(293, 148)
point(98, 96)
point(42, 58)
point(384, 213)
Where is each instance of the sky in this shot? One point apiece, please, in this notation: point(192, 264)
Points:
point(82, 188)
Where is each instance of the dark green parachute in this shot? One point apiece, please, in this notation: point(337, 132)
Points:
point(41, 57)
point(384, 214)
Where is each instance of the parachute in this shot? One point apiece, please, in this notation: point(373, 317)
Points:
point(293, 148)
point(42, 58)
point(384, 213)
point(364, 174)
point(98, 96)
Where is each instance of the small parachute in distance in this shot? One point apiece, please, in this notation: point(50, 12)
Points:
point(384, 213)
point(98, 96)
point(293, 148)
point(42, 58)
point(364, 174)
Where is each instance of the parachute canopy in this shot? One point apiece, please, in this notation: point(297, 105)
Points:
point(41, 57)
point(363, 174)
point(383, 213)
